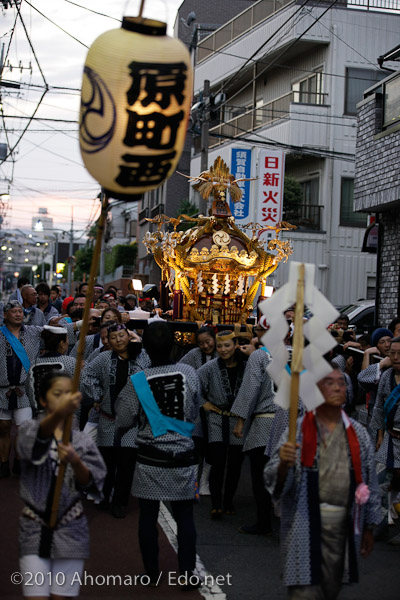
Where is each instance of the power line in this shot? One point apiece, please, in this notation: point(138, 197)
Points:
point(346, 156)
point(41, 119)
point(93, 11)
point(55, 24)
point(295, 41)
point(292, 17)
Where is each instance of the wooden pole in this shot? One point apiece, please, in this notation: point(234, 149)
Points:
point(141, 8)
point(81, 349)
point(297, 355)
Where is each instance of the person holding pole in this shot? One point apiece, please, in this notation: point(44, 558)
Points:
point(55, 555)
point(329, 497)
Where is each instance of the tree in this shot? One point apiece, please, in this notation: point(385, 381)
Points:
point(186, 208)
point(83, 261)
point(292, 194)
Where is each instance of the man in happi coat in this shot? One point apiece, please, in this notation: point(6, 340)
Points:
point(329, 497)
point(163, 401)
point(19, 348)
point(32, 314)
point(386, 422)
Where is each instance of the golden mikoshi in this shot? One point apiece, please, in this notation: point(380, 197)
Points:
point(215, 264)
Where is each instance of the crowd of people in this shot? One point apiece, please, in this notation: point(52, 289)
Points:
point(168, 430)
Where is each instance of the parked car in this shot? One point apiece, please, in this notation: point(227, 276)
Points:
point(361, 315)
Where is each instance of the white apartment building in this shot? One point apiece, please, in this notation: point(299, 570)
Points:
point(293, 74)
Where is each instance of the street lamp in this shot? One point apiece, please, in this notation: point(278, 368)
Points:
point(34, 269)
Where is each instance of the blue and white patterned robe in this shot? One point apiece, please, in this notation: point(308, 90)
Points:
point(68, 363)
point(300, 515)
point(389, 452)
point(97, 377)
point(256, 397)
point(39, 463)
point(214, 386)
point(196, 358)
point(12, 373)
point(162, 483)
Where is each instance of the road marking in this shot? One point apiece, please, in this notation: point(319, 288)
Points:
point(168, 525)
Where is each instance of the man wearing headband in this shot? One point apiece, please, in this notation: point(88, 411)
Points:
point(220, 380)
point(19, 348)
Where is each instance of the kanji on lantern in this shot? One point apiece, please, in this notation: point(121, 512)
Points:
point(157, 83)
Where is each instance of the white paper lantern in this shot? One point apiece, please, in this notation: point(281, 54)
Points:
point(135, 103)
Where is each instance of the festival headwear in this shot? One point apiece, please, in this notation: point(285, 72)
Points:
point(378, 334)
point(57, 330)
point(116, 327)
point(66, 302)
point(224, 336)
point(12, 304)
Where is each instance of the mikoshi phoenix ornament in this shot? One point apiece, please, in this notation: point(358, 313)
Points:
point(308, 365)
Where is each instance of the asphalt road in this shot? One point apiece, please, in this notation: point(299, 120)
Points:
point(243, 567)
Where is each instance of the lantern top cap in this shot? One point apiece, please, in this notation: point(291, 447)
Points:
point(145, 26)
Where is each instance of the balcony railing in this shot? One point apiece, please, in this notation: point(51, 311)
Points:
point(237, 26)
point(156, 210)
point(261, 116)
point(262, 10)
point(306, 217)
point(143, 214)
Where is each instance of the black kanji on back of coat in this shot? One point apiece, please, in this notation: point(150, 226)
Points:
point(169, 393)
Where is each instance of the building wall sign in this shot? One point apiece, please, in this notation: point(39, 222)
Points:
point(241, 168)
point(269, 201)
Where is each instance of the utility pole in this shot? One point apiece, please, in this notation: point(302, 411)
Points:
point(205, 127)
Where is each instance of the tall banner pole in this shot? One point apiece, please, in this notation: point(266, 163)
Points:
point(81, 349)
point(297, 354)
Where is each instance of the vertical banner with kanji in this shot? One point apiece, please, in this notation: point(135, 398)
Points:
point(271, 175)
point(240, 168)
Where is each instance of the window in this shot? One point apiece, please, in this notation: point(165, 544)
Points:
point(307, 216)
point(349, 218)
point(309, 89)
point(391, 111)
point(310, 191)
point(357, 81)
point(259, 114)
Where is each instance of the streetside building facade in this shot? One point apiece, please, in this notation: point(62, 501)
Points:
point(194, 20)
point(377, 185)
point(293, 74)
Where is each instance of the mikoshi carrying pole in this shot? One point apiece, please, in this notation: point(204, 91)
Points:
point(297, 355)
point(81, 349)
